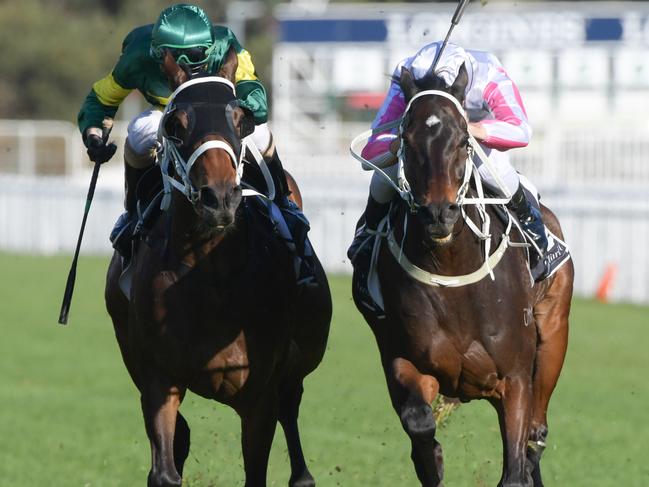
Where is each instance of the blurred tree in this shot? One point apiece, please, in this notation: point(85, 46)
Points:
point(113, 7)
point(55, 49)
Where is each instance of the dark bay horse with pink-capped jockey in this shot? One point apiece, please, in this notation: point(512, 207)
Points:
point(462, 315)
point(214, 306)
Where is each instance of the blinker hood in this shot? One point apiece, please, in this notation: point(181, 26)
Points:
point(210, 111)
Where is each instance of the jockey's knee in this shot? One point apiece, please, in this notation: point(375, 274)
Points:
point(141, 140)
point(380, 190)
point(138, 160)
point(501, 164)
point(263, 140)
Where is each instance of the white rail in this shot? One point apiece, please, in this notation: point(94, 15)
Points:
point(602, 226)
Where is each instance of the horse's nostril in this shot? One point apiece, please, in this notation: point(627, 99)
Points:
point(209, 198)
point(450, 213)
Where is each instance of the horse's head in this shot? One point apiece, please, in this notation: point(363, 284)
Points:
point(434, 144)
point(203, 127)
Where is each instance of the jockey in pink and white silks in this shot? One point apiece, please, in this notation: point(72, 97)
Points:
point(497, 120)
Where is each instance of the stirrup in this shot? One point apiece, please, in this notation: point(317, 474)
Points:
point(362, 243)
point(305, 277)
point(541, 270)
point(122, 234)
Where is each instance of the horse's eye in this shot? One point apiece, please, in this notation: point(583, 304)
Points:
point(459, 171)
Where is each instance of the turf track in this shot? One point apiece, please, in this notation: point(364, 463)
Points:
point(69, 415)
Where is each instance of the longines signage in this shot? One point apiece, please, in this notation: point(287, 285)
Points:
point(497, 26)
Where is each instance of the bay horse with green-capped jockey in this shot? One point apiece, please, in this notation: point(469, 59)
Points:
point(213, 305)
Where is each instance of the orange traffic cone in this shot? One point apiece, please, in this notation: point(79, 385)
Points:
point(606, 283)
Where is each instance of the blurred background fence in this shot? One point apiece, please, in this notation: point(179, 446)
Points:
point(583, 72)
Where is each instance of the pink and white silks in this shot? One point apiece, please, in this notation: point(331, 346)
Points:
point(492, 99)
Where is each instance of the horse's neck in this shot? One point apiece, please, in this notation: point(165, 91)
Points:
point(223, 254)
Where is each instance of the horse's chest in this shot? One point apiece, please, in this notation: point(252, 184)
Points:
point(203, 331)
point(468, 344)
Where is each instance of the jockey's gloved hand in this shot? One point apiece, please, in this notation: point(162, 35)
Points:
point(99, 150)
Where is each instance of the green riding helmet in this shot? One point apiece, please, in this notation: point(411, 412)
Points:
point(186, 32)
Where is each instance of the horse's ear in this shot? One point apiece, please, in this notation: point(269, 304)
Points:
point(174, 73)
point(229, 65)
point(458, 89)
point(243, 122)
point(407, 82)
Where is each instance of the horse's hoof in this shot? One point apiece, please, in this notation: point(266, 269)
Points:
point(164, 480)
point(418, 421)
point(305, 480)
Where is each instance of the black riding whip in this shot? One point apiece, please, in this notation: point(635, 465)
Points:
point(69, 287)
point(459, 11)
point(98, 159)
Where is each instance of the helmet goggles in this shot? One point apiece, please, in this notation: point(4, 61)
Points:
point(192, 55)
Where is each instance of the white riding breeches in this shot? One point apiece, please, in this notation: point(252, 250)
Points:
point(500, 162)
point(142, 132)
point(262, 137)
point(380, 189)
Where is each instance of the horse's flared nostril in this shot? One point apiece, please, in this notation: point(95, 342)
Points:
point(209, 198)
point(450, 213)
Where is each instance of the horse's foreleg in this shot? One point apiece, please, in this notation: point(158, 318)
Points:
point(552, 324)
point(289, 408)
point(160, 408)
point(181, 443)
point(412, 393)
point(257, 430)
point(514, 411)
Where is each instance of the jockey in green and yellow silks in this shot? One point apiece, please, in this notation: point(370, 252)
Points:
point(199, 46)
point(193, 40)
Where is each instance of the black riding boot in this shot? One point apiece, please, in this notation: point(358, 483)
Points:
point(279, 180)
point(125, 225)
point(297, 223)
point(360, 252)
point(361, 247)
point(530, 219)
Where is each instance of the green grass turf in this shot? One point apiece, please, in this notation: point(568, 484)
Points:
point(69, 414)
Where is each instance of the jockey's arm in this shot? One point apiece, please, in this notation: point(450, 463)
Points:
point(250, 92)
point(509, 128)
point(382, 147)
point(106, 94)
point(102, 102)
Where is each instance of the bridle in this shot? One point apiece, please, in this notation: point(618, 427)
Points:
point(169, 154)
point(403, 188)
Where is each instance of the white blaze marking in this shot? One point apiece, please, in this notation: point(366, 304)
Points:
point(432, 120)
